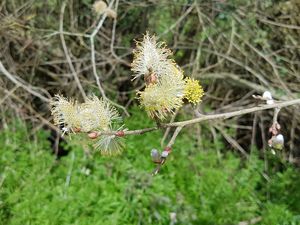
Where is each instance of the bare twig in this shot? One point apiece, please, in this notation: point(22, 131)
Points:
point(63, 42)
point(168, 129)
point(179, 20)
point(129, 132)
point(24, 85)
point(67, 33)
point(93, 60)
point(8, 93)
point(275, 116)
point(175, 134)
point(233, 142)
point(113, 37)
point(93, 54)
point(289, 26)
point(219, 116)
point(30, 109)
point(254, 130)
point(232, 114)
point(237, 62)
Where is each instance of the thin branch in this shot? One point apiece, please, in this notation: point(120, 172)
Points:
point(113, 37)
point(93, 60)
point(129, 132)
point(8, 93)
point(275, 116)
point(187, 12)
point(93, 56)
point(221, 116)
point(239, 63)
point(30, 109)
point(24, 85)
point(232, 114)
point(168, 129)
point(175, 134)
point(233, 142)
point(63, 42)
point(289, 26)
point(67, 33)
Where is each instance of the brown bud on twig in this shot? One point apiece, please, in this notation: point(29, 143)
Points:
point(151, 78)
point(76, 129)
point(275, 128)
point(155, 155)
point(120, 133)
point(168, 149)
point(93, 134)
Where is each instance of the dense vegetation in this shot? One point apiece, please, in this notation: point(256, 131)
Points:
point(199, 185)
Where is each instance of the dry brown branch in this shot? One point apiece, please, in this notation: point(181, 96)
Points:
point(289, 26)
point(168, 129)
point(187, 12)
point(93, 60)
point(231, 141)
point(63, 42)
point(22, 84)
point(220, 116)
point(30, 109)
point(237, 62)
point(232, 114)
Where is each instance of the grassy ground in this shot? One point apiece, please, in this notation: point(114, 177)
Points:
point(196, 184)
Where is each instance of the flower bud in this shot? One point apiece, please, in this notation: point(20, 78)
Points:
point(168, 149)
point(150, 79)
point(76, 129)
point(93, 135)
point(155, 155)
point(267, 95)
point(165, 154)
point(277, 142)
point(120, 133)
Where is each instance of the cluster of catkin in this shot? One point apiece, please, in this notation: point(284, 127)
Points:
point(165, 90)
point(92, 117)
point(166, 87)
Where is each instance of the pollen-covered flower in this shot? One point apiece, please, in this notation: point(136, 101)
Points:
point(110, 145)
point(162, 98)
point(151, 56)
point(164, 80)
point(193, 91)
point(97, 114)
point(65, 112)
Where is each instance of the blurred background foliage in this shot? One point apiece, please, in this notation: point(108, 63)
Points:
point(236, 48)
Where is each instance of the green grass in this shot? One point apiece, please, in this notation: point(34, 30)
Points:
point(196, 184)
